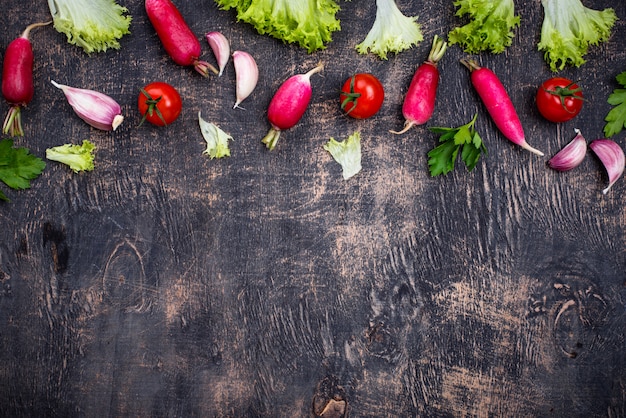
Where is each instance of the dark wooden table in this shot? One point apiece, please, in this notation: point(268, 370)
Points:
point(264, 285)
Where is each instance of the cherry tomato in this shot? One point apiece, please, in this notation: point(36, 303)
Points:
point(362, 96)
point(159, 103)
point(559, 99)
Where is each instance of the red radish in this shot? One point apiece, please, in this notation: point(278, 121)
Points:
point(179, 41)
point(289, 104)
point(498, 104)
point(419, 102)
point(17, 79)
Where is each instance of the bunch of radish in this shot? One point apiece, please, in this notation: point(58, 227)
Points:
point(17, 80)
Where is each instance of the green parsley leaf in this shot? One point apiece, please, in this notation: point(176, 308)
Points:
point(18, 166)
point(616, 118)
point(441, 159)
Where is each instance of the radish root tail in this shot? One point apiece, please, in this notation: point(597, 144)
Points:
point(407, 125)
point(526, 146)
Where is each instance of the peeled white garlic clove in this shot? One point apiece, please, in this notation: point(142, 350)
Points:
point(571, 155)
point(247, 74)
point(612, 157)
point(221, 49)
point(97, 109)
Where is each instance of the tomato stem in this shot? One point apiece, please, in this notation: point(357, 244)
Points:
point(350, 97)
point(564, 92)
point(152, 107)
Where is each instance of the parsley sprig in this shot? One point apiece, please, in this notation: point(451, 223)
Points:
point(616, 118)
point(18, 167)
point(441, 159)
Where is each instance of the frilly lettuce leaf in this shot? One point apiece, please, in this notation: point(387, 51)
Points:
point(216, 139)
point(78, 157)
point(94, 25)
point(490, 26)
point(392, 31)
point(347, 153)
point(569, 28)
point(308, 23)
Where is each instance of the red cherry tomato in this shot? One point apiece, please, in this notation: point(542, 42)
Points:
point(362, 95)
point(159, 103)
point(559, 99)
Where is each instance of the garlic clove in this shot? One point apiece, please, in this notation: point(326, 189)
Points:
point(221, 49)
point(95, 108)
point(612, 157)
point(571, 155)
point(247, 74)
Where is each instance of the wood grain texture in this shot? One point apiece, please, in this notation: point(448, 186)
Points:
point(264, 285)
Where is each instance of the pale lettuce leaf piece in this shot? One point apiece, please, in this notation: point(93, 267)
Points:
point(94, 25)
point(569, 28)
point(392, 31)
point(347, 153)
point(216, 139)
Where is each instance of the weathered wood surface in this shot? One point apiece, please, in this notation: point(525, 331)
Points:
point(167, 284)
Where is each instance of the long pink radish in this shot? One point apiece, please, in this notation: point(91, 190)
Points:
point(419, 102)
point(17, 79)
point(289, 104)
point(179, 41)
point(498, 104)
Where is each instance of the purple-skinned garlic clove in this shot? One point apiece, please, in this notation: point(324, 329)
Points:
point(95, 108)
point(571, 155)
point(612, 157)
point(220, 47)
point(247, 74)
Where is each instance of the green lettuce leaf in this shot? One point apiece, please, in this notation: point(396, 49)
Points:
point(77, 157)
point(308, 23)
point(94, 25)
point(490, 26)
point(569, 28)
point(392, 31)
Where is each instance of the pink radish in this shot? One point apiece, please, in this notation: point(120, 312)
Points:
point(17, 80)
point(498, 104)
point(177, 38)
point(419, 102)
point(289, 104)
